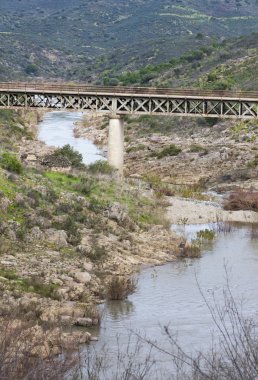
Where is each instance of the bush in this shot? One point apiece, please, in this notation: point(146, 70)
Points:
point(86, 185)
point(98, 252)
point(32, 69)
point(242, 200)
point(120, 287)
point(71, 154)
point(195, 148)
point(10, 162)
point(100, 166)
point(171, 150)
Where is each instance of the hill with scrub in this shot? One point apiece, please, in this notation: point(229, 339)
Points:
point(77, 41)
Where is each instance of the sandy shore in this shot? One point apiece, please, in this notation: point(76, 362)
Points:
point(189, 211)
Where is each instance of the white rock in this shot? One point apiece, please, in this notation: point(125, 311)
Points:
point(84, 322)
point(57, 236)
point(82, 277)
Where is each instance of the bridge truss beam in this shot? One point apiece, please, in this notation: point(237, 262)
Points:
point(133, 104)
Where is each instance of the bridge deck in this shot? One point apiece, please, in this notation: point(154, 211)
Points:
point(130, 100)
point(73, 89)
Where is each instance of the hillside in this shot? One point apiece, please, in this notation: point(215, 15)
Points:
point(74, 40)
point(229, 65)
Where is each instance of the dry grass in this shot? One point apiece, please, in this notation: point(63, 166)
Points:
point(25, 354)
point(242, 200)
point(120, 287)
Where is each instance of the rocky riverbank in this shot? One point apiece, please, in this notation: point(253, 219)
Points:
point(184, 151)
point(66, 232)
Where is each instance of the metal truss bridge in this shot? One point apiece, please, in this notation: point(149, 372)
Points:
point(130, 100)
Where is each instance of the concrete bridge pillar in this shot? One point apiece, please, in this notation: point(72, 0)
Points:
point(116, 143)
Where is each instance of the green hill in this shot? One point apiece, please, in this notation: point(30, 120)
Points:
point(77, 40)
point(228, 65)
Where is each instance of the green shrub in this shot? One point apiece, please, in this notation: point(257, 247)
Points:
point(9, 274)
point(98, 252)
point(195, 148)
point(86, 185)
point(206, 234)
point(32, 69)
point(36, 285)
point(71, 154)
point(171, 150)
point(10, 162)
point(252, 164)
point(100, 166)
point(98, 205)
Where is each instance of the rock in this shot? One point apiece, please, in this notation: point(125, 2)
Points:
point(57, 281)
point(62, 293)
point(72, 310)
point(82, 277)
point(58, 237)
point(88, 266)
point(116, 212)
point(4, 204)
point(66, 320)
point(76, 292)
point(35, 234)
point(94, 339)
point(9, 263)
point(9, 233)
point(50, 314)
point(19, 200)
point(84, 322)
point(31, 157)
point(83, 249)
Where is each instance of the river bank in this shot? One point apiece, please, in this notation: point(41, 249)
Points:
point(67, 232)
point(212, 153)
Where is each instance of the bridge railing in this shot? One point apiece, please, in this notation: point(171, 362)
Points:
point(121, 90)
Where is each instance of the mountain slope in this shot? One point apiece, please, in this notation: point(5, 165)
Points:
point(72, 39)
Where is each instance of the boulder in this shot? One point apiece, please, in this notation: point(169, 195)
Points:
point(84, 322)
point(82, 277)
point(58, 237)
point(116, 212)
point(35, 235)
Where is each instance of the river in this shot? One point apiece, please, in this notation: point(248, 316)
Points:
point(169, 294)
point(56, 130)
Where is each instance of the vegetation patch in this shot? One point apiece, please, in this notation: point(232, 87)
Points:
point(242, 200)
point(74, 158)
point(120, 287)
point(100, 167)
point(196, 148)
point(171, 150)
point(193, 191)
point(10, 162)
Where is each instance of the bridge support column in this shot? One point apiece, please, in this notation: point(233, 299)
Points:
point(116, 143)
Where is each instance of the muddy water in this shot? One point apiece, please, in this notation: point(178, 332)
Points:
point(56, 129)
point(169, 295)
